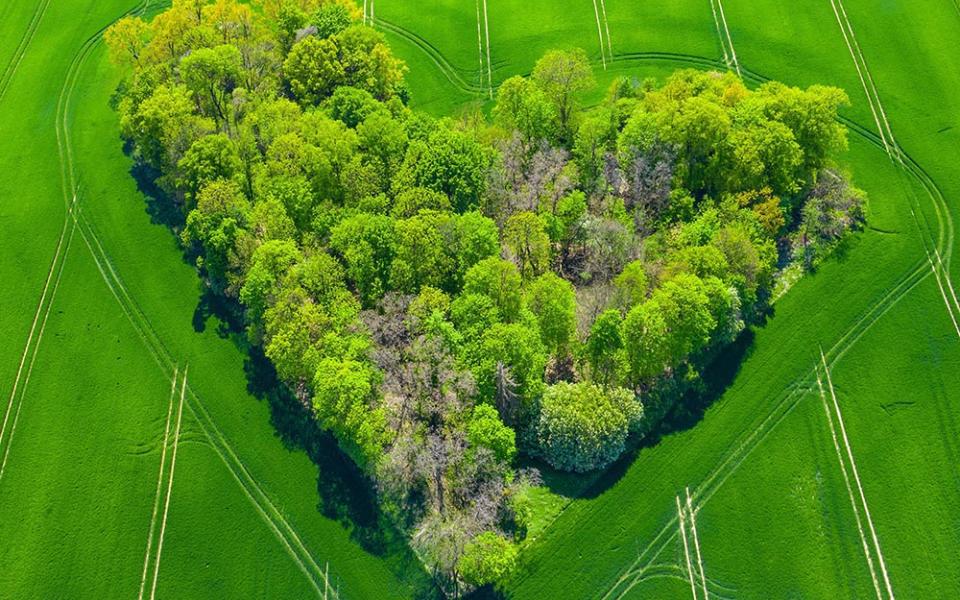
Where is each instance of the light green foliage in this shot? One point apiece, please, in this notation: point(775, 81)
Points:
point(498, 280)
point(526, 238)
point(582, 427)
point(313, 69)
point(553, 301)
point(604, 347)
point(366, 244)
point(563, 75)
point(685, 307)
point(211, 74)
point(409, 202)
point(474, 238)
point(422, 258)
point(632, 285)
point(486, 430)
point(646, 341)
point(330, 19)
point(356, 56)
point(343, 392)
point(383, 142)
point(351, 105)
point(268, 265)
point(524, 107)
point(217, 224)
point(564, 224)
point(488, 558)
point(517, 346)
point(451, 162)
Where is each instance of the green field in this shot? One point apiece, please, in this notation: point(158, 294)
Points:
point(101, 322)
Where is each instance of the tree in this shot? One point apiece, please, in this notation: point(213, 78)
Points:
point(646, 341)
point(366, 243)
point(604, 348)
point(216, 225)
point(269, 264)
point(685, 307)
point(517, 348)
point(126, 40)
point(524, 107)
point(631, 285)
point(343, 397)
point(383, 144)
point(313, 69)
point(410, 202)
point(421, 258)
point(554, 303)
point(487, 559)
point(582, 427)
point(486, 430)
point(210, 158)
point(212, 74)
point(526, 238)
point(498, 280)
point(562, 75)
point(474, 238)
point(450, 162)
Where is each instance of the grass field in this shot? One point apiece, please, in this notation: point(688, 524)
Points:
point(808, 477)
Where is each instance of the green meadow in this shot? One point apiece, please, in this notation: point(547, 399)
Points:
point(140, 457)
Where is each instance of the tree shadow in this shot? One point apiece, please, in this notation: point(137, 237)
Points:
point(345, 494)
point(161, 208)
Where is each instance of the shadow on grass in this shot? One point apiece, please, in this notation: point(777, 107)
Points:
point(345, 494)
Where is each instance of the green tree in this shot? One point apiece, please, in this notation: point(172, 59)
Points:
point(210, 158)
point(410, 202)
point(211, 74)
point(366, 243)
point(498, 280)
point(646, 341)
point(343, 400)
point(523, 107)
point(604, 347)
point(313, 69)
point(631, 285)
point(474, 238)
point(216, 225)
point(269, 264)
point(421, 255)
point(451, 162)
point(554, 303)
point(526, 238)
point(486, 430)
point(563, 75)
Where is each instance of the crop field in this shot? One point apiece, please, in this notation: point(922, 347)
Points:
point(135, 460)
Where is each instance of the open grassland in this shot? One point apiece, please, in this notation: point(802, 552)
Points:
point(136, 462)
point(809, 477)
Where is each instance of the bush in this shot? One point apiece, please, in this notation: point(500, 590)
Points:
point(584, 427)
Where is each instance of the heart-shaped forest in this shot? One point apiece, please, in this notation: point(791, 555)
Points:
point(473, 304)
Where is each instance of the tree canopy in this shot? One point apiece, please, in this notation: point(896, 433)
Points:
point(445, 295)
